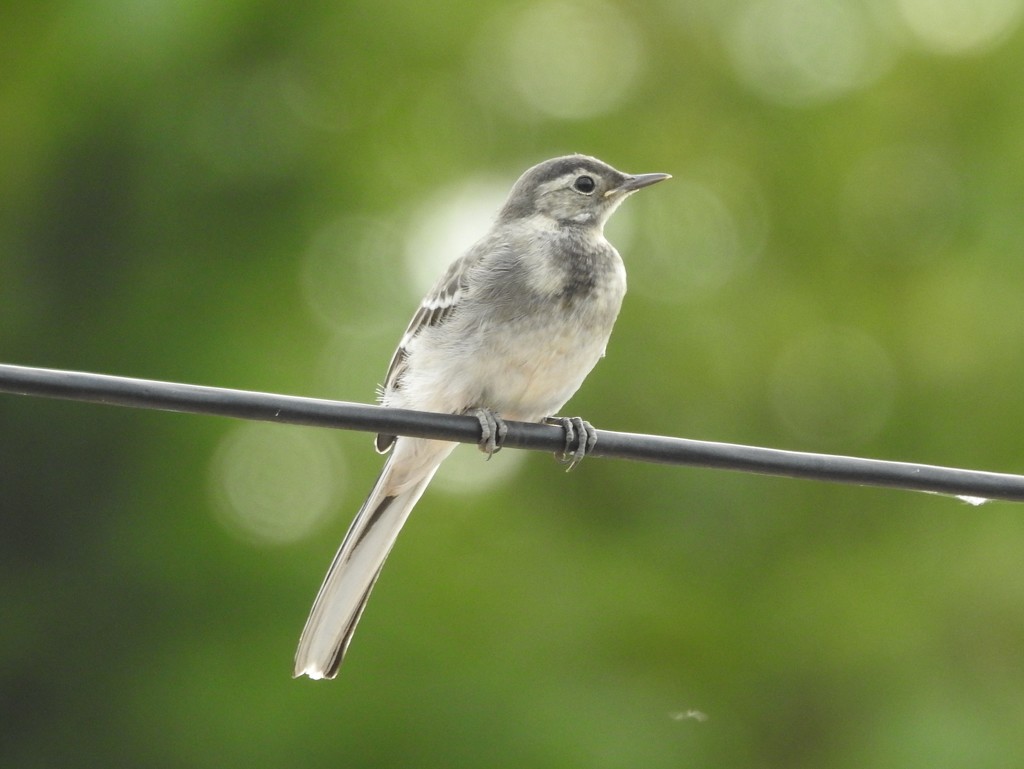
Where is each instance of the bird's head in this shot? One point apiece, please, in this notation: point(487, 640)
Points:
point(575, 190)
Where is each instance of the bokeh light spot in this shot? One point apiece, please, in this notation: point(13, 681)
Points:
point(467, 471)
point(800, 52)
point(565, 60)
point(275, 484)
point(446, 226)
point(342, 277)
point(704, 248)
point(693, 237)
point(834, 386)
point(961, 26)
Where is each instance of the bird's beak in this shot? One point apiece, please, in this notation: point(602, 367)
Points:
point(634, 183)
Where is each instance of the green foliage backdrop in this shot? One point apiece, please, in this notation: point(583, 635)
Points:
point(251, 194)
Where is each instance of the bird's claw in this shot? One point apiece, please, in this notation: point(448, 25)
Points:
point(580, 438)
point(492, 431)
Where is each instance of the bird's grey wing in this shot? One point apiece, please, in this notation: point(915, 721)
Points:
point(437, 306)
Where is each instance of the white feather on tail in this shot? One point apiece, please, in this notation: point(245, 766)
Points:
point(355, 568)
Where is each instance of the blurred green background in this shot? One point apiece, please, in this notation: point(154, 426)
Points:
point(252, 194)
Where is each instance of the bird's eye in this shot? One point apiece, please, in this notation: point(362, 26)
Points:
point(584, 184)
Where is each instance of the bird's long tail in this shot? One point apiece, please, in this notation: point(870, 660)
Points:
point(355, 568)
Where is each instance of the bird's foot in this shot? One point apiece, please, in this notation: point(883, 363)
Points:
point(580, 438)
point(492, 431)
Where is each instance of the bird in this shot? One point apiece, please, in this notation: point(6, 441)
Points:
point(508, 332)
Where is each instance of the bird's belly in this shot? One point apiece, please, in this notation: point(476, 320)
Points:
point(523, 367)
point(531, 375)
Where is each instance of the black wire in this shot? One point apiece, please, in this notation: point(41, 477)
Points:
point(268, 407)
